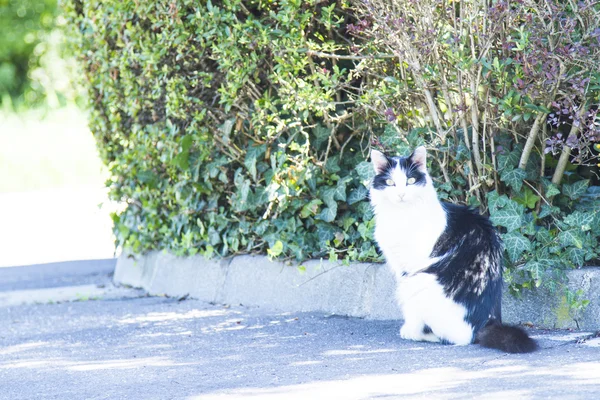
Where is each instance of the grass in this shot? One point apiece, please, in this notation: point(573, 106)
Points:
point(41, 149)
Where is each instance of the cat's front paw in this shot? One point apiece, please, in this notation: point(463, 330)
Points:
point(418, 333)
point(410, 332)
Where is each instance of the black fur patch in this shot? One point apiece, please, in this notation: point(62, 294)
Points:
point(379, 180)
point(467, 272)
point(407, 165)
point(427, 329)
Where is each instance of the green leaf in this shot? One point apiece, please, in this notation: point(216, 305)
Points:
point(325, 232)
point(570, 237)
point(508, 160)
point(147, 177)
point(358, 194)
point(577, 256)
point(252, 154)
point(333, 164)
point(576, 190)
point(366, 210)
point(181, 160)
point(311, 208)
point(226, 129)
point(580, 220)
point(543, 236)
point(340, 189)
point(242, 199)
point(514, 178)
point(322, 134)
point(516, 244)
point(548, 210)
point(496, 201)
point(528, 199)
point(365, 172)
point(328, 195)
point(552, 190)
point(536, 269)
point(510, 216)
point(328, 214)
point(276, 249)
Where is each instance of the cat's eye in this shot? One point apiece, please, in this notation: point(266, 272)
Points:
point(411, 181)
point(389, 182)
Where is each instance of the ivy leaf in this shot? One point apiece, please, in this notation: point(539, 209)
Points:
point(328, 214)
point(242, 199)
point(576, 190)
point(322, 135)
point(358, 194)
point(547, 262)
point(570, 237)
point(325, 232)
point(510, 217)
point(508, 161)
point(340, 189)
point(366, 210)
point(577, 256)
point(333, 164)
point(328, 197)
point(252, 154)
point(148, 177)
point(276, 249)
point(365, 231)
point(516, 244)
point(496, 201)
point(543, 236)
point(548, 210)
point(311, 208)
point(528, 199)
point(536, 269)
point(365, 172)
point(580, 220)
point(552, 190)
point(514, 178)
point(593, 192)
point(390, 137)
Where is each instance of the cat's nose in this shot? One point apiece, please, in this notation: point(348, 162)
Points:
point(401, 196)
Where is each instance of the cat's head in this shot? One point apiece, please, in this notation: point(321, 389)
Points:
point(401, 181)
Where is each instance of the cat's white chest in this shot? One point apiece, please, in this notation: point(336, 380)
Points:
point(407, 236)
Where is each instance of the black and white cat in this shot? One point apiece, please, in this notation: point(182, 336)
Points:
point(447, 259)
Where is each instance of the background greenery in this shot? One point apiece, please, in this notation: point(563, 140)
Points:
point(44, 141)
point(244, 126)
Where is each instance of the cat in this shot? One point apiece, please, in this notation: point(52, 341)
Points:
point(446, 258)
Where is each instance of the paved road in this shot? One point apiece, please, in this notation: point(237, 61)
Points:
point(127, 346)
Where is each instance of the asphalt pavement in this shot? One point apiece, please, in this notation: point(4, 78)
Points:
point(120, 344)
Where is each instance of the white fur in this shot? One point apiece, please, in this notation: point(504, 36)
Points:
point(423, 302)
point(409, 219)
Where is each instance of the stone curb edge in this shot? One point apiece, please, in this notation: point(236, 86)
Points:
point(358, 290)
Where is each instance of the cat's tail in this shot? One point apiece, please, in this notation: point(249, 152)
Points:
point(510, 339)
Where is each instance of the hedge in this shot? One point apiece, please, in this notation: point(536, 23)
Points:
point(244, 126)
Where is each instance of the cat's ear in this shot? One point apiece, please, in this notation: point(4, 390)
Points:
point(419, 157)
point(379, 161)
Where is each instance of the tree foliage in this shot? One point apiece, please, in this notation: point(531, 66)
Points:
point(23, 25)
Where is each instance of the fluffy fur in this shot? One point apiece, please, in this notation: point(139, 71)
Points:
point(447, 259)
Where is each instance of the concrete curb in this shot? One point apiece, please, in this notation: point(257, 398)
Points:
point(359, 290)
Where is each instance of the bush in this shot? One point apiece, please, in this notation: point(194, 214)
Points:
point(507, 95)
point(224, 130)
point(243, 126)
